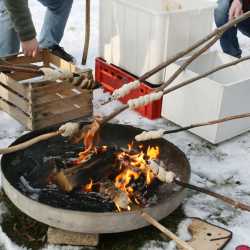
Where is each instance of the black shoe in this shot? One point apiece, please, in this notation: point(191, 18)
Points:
point(60, 52)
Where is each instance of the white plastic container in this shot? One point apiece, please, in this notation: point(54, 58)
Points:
point(138, 35)
point(224, 93)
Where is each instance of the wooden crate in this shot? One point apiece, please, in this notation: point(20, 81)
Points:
point(39, 104)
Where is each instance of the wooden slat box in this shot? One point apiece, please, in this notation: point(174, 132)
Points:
point(39, 104)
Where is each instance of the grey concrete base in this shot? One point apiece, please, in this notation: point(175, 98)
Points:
point(61, 237)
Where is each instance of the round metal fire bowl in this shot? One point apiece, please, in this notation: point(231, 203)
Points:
point(101, 223)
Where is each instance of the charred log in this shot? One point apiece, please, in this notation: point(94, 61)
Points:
point(77, 200)
point(102, 165)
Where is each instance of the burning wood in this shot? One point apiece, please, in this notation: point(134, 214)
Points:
point(120, 198)
point(96, 168)
point(124, 175)
point(88, 134)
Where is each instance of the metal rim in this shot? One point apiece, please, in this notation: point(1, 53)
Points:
point(91, 222)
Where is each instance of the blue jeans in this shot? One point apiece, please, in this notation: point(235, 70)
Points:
point(229, 40)
point(52, 31)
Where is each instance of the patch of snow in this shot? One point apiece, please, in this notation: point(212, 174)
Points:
point(6, 243)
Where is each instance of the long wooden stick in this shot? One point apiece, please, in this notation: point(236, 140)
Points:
point(223, 198)
point(225, 119)
point(87, 32)
point(167, 232)
point(20, 69)
point(29, 143)
point(187, 63)
point(194, 79)
point(216, 34)
point(26, 69)
point(203, 124)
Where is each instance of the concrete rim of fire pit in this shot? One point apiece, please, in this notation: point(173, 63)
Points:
point(92, 222)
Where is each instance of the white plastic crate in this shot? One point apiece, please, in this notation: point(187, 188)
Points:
point(224, 93)
point(137, 35)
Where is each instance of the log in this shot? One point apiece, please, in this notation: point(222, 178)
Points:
point(76, 200)
point(96, 168)
point(120, 199)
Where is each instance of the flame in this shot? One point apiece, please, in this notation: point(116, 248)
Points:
point(133, 165)
point(153, 152)
point(133, 169)
point(88, 187)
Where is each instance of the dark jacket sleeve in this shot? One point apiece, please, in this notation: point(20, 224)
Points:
point(21, 17)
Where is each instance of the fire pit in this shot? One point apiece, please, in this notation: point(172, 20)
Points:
point(24, 174)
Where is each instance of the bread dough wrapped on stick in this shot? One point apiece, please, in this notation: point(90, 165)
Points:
point(56, 74)
point(150, 135)
point(144, 100)
point(89, 134)
point(70, 129)
point(161, 173)
point(125, 89)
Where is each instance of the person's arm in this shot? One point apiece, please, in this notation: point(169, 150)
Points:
point(236, 9)
point(21, 18)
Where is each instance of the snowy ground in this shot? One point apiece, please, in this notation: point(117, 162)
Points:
point(223, 168)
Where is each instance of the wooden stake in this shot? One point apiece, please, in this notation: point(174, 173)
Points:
point(167, 232)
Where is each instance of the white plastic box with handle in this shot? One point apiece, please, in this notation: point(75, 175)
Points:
point(224, 93)
point(137, 35)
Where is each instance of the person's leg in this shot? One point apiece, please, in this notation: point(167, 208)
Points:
point(244, 26)
point(55, 21)
point(9, 40)
point(229, 41)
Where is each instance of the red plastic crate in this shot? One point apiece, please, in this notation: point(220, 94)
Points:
point(112, 77)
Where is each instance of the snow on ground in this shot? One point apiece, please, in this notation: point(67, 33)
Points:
point(223, 168)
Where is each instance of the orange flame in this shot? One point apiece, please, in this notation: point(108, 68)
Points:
point(153, 152)
point(131, 166)
point(88, 187)
point(134, 165)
